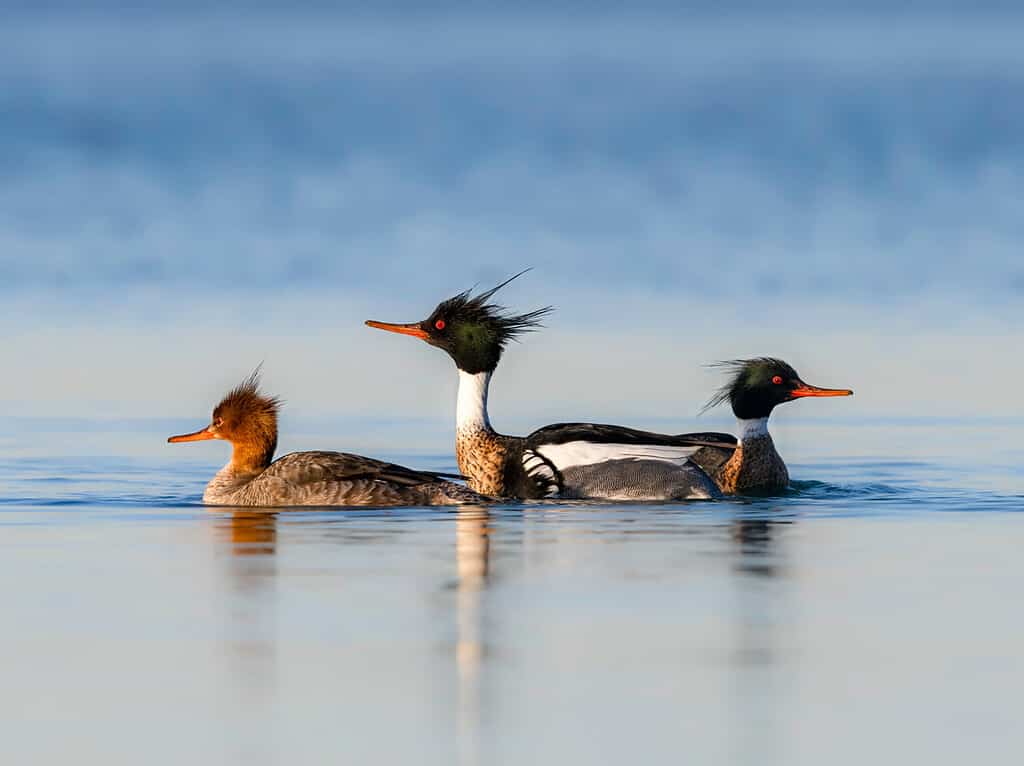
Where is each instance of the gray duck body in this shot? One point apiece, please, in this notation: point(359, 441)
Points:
point(638, 480)
point(333, 479)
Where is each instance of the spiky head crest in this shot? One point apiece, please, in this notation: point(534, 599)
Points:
point(248, 418)
point(474, 331)
point(755, 386)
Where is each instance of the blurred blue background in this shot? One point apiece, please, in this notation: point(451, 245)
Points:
point(186, 191)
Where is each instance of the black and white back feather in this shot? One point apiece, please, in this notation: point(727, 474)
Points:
point(550, 452)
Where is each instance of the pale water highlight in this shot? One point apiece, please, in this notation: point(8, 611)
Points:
point(868, 614)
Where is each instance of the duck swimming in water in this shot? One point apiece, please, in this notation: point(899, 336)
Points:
point(248, 419)
point(755, 388)
point(567, 460)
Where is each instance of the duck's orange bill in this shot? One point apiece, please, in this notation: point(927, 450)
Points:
point(200, 435)
point(806, 390)
point(413, 328)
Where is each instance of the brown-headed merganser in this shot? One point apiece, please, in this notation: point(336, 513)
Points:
point(567, 460)
point(248, 419)
point(755, 388)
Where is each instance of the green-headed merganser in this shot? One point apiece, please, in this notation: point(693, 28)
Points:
point(754, 389)
point(569, 460)
point(248, 420)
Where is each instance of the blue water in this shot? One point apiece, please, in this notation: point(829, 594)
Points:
point(873, 605)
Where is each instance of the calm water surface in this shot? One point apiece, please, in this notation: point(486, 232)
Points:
point(873, 614)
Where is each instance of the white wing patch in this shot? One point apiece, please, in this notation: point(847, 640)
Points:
point(576, 453)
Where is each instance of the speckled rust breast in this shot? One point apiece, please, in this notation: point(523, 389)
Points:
point(755, 466)
point(482, 456)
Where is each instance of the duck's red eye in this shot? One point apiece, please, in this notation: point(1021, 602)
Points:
point(439, 324)
point(777, 380)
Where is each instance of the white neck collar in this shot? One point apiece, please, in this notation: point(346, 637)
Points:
point(471, 408)
point(752, 428)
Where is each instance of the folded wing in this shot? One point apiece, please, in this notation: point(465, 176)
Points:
point(315, 467)
point(549, 452)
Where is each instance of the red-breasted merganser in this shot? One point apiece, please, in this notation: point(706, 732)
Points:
point(754, 389)
point(248, 420)
point(568, 460)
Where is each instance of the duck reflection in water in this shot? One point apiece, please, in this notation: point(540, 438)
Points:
point(246, 543)
point(250, 533)
point(249, 539)
point(472, 560)
point(756, 546)
point(760, 611)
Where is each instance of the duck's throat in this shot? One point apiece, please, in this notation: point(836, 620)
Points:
point(471, 408)
point(481, 452)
